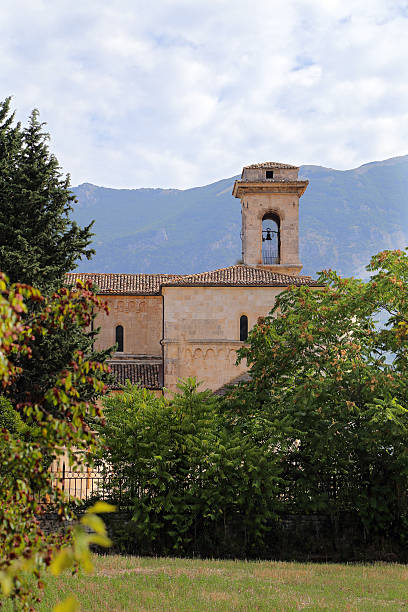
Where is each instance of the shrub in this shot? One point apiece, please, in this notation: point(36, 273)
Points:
point(10, 419)
point(192, 482)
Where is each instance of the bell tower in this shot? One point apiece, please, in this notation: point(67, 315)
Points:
point(269, 195)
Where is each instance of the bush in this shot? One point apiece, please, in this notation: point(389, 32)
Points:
point(193, 483)
point(9, 418)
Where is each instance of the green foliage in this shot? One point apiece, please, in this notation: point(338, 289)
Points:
point(39, 243)
point(185, 471)
point(334, 383)
point(58, 417)
point(10, 419)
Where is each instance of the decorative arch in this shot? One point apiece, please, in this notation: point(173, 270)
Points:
point(243, 328)
point(198, 353)
point(119, 338)
point(270, 238)
point(210, 354)
point(221, 354)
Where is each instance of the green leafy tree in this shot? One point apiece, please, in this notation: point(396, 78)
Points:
point(10, 419)
point(195, 484)
point(333, 381)
point(59, 418)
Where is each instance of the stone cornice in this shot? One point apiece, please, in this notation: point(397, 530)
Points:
point(242, 188)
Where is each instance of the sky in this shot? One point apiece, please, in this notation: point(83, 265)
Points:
point(180, 93)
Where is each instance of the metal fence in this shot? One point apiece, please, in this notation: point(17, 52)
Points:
point(83, 483)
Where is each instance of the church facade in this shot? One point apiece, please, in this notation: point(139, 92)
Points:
point(169, 326)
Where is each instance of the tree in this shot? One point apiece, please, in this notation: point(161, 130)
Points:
point(334, 380)
point(10, 419)
point(59, 418)
point(39, 243)
point(194, 483)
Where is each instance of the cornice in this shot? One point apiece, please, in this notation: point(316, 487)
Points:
point(242, 188)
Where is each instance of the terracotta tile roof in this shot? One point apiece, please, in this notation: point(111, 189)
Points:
point(150, 284)
point(149, 375)
point(122, 284)
point(272, 165)
point(240, 276)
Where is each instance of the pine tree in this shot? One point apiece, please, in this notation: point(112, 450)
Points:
point(39, 242)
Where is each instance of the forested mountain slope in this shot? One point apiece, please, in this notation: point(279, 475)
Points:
point(345, 217)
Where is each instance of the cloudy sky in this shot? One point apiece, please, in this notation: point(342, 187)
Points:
point(179, 93)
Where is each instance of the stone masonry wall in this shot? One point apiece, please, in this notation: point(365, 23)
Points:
point(141, 318)
point(286, 207)
point(201, 334)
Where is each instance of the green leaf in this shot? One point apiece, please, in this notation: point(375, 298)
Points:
point(100, 540)
point(62, 561)
point(94, 522)
point(70, 604)
point(101, 507)
point(6, 583)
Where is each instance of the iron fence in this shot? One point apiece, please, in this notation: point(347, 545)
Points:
point(83, 485)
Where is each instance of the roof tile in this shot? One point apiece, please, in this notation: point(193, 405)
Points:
point(150, 284)
point(149, 375)
point(272, 165)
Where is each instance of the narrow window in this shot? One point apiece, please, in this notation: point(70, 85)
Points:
point(243, 328)
point(269, 174)
point(119, 338)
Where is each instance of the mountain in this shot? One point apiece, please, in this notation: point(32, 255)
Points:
point(345, 217)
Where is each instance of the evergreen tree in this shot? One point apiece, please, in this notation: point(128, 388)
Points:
point(39, 243)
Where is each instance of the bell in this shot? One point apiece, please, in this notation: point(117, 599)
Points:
point(268, 235)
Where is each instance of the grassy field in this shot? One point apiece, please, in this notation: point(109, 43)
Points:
point(133, 583)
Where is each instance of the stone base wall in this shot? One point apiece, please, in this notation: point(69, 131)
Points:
point(291, 537)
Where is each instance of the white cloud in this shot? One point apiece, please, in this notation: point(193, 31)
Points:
point(178, 93)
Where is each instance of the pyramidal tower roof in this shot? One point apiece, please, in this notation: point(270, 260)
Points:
point(272, 165)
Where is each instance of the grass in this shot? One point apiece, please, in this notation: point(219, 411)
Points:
point(138, 584)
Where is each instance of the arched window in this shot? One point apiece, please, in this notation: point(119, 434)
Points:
point(119, 338)
point(270, 239)
point(243, 328)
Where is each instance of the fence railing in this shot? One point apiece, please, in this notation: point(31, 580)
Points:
point(82, 484)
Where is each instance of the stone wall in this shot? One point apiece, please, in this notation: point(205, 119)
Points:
point(286, 206)
point(201, 332)
point(291, 537)
point(279, 174)
point(141, 318)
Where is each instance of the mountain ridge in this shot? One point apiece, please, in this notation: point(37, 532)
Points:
point(345, 217)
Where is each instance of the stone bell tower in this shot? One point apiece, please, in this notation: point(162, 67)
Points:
point(269, 195)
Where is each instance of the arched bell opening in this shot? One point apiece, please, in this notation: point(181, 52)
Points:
point(270, 239)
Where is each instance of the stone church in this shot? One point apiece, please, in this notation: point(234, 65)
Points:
point(169, 326)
